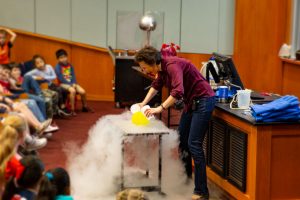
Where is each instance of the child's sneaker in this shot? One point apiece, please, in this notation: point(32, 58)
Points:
point(46, 135)
point(73, 113)
point(63, 112)
point(34, 143)
point(51, 128)
point(87, 109)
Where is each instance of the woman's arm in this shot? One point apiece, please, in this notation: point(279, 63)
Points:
point(168, 102)
point(151, 93)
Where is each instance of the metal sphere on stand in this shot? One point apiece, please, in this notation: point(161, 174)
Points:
point(147, 23)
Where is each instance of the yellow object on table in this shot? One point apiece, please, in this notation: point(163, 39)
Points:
point(138, 118)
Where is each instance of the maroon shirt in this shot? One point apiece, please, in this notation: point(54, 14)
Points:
point(183, 80)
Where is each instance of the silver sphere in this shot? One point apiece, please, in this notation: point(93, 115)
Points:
point(147, 23)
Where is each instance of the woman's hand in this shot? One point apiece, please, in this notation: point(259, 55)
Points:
point(153, 111)
point(141, 104)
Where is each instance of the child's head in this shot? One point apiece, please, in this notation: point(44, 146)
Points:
point(2, 37)
point(39, 62)
point(57, 182)
point(33, 172)
point(1, 70)
point(30, 178)
point(14, 129)
point(62, 56)
point(5, 72)
point(131, 194)
point(15, 70)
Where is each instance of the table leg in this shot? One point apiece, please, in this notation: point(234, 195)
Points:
point(169, 117)
point(159, 163)
point(122, 165)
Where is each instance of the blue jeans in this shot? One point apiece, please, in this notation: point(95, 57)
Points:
point(192, 129)
point(32, 105)
point(30, 85)
point(40, 101)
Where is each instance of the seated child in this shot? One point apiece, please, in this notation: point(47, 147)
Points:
point(26, 185)
point(55, 185)
point(45, 73)
point(5, 45)
point(66, 76)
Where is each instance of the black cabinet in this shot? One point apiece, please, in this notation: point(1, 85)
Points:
point(130, 86)
point(227, 152)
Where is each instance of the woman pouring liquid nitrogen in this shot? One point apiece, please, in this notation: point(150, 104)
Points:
point(185, 83)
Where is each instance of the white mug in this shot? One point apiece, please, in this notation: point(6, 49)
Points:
point(243, 99)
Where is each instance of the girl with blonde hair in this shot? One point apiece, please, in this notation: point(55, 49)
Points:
point(13, 132)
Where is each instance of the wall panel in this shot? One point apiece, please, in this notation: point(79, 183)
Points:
point(18, 14)
point(89, 19)
point(53, 18)
point(199, 26)
point(171, 10)
point(113, 7)
point(258, 37)
point(226, 26)
point(94, 71)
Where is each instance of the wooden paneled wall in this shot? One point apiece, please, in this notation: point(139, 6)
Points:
point(290, 77)
point(93, 65)
point(260, 30)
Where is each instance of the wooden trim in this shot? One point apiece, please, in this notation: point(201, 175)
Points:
point(291, 61)
point(51, 38)
point(100, 97)
point(225, 185)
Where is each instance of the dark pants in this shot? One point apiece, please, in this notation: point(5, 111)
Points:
point(192, 129)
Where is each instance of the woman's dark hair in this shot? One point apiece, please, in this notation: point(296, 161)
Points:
point(56, 182)
point(149, 55)
point(33, 172)
point(36, 57)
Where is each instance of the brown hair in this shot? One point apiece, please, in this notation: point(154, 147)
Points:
point(14, 65)
point(149, 55)
point(36, 57)
point(3, 32)
point(13, 129)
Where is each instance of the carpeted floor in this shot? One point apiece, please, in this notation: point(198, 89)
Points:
point(73, 129)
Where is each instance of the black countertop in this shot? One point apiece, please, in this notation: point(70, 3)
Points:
point(246, 115)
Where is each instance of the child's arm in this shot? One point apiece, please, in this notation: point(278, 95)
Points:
point(52, 75)
point(13, 85)
point(32, 73)
point(73, 75)
point(12, 34)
